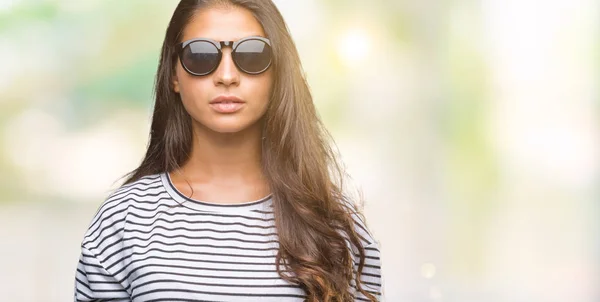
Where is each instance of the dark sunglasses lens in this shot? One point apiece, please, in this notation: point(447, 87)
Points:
point(200, 57)
point(253, 56)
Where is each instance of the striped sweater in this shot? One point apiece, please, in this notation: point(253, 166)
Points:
point(149, 242)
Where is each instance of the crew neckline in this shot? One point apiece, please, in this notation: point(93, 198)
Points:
point(201, 205)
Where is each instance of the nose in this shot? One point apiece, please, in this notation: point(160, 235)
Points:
point(227, 73)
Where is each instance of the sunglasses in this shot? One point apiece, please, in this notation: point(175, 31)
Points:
point(201, 56)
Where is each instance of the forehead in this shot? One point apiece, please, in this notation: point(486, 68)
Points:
point(222, 24)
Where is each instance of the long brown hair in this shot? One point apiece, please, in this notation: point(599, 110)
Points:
point(312, 213)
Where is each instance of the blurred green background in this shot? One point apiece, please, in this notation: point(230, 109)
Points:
point(472, 128)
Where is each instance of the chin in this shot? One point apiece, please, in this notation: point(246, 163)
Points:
point(229, 126)
point(227, 129)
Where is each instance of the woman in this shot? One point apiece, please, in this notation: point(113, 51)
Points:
point(239, 196)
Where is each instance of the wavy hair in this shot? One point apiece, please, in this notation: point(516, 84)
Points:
point(313, 216)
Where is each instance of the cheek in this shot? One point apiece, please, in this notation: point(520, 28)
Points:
point(192, 88)
point(264, 88)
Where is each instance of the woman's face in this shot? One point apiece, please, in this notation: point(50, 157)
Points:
point(197, 92)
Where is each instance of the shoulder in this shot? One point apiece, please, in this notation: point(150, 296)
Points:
point(110, 217)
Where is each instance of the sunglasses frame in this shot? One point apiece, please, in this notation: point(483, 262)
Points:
point(219, 45)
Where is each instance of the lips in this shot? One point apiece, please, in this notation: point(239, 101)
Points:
point(227, 104)
point(226, 99)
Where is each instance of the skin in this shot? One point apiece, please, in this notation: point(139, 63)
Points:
point(225, 162)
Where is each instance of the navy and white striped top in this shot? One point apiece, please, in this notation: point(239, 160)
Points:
point(149, 242)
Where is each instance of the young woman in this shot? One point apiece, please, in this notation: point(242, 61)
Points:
point(239, 195)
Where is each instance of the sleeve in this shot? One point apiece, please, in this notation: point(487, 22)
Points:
point(101, 273)
point(371, 277)
point(94, 283)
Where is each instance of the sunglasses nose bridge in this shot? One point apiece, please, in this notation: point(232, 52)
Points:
point(226, 43)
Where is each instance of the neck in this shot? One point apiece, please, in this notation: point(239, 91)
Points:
point(225, 157)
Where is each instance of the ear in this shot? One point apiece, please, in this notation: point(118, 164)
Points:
point(175, 83)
